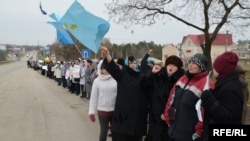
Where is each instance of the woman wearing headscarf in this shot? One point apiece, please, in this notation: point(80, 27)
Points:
point(130, 115)
point(224, 104)
point(102, 100)
point(160, 80)
point(82, 78)
point(183, 111)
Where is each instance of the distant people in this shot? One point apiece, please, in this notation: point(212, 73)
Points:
point(72, 85)
point(183, 112)
point(244, 85)
point(64, 68)
point(29, 63)
point(43, 67)
point(53, 69)
point(130, 116)
point(58, 73)
point(67, 74)
point(82, 79)
point(161, 80)
point(76, 76)
point(223, 105)
point(102, 100)
point(49, 71)
point(88, 78)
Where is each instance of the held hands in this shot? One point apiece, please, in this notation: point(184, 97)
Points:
point(92, 117)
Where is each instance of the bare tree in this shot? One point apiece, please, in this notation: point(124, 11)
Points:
point(207, 16)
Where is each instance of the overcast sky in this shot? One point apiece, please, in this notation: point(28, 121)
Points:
point(22, 23)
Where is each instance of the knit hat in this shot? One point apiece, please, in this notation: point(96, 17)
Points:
point(173, 59)
point(226, 62)
point(200, 60)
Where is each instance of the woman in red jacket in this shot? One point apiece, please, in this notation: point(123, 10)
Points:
point(183, 111)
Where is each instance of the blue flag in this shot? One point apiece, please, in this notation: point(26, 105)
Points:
point(84, 26)
point(62, 34)
point(55, 17)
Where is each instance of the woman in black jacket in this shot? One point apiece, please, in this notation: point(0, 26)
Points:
point(130, 114)
point(161, 81)
point(225, 103)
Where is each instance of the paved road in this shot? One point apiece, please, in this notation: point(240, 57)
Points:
point(34, 108)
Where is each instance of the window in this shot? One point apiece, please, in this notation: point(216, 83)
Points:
point(189, 43)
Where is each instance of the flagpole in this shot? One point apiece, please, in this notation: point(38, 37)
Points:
point(78, 49)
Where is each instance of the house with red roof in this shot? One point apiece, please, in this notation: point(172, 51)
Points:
point(191, 44)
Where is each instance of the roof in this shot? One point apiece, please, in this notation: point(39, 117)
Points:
point(200, 39)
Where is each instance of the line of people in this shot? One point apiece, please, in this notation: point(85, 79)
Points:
point(165, 102)
point(156, 101)
point(75, 75)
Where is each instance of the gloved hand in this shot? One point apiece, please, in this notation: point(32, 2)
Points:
point(92, 117)
point(206, 94)
point(208, 99)
point(195, 137)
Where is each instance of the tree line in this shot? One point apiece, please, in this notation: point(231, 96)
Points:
point(65, 52)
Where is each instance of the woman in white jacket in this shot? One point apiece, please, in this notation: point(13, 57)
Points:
point(102, 100)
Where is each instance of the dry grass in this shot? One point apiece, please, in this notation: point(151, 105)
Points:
point(246, 67)
point(248, 80)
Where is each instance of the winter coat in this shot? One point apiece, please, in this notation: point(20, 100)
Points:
point(88, 79)
point(63, 70)
point(82, 72)
point(160, 84)
point(130, 115)
point(58, 71)
point(103, 94)
point(224, 105)
point(76, 73)
point(144, 64)
point(185, 96)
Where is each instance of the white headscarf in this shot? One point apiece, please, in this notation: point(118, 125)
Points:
point(99, 72)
